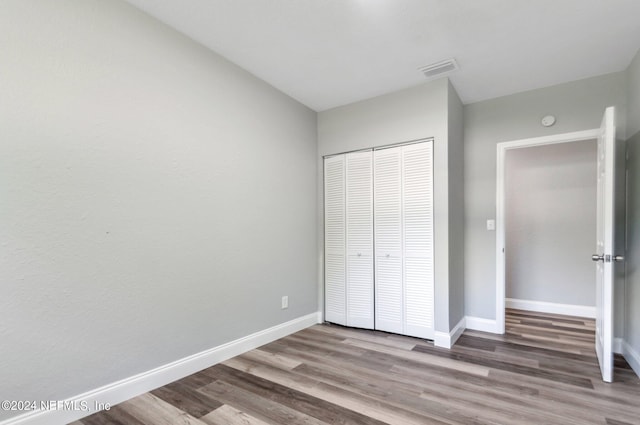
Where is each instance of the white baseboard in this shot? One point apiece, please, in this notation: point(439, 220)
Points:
point(481, 324)
point(133, 386)
point(458, 330)
point(631, 356)
point(554, 308)
point(446, 340)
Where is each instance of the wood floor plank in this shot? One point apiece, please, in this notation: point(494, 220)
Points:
point(259, 407)
point(151, 410)
point(116, 415)
point(414, 356)
point(277, 360)
point(227, 415)
point(293, 398)
point(517, 339)
point(378, 407)
point(187, 399)
point(372, 373)
point(376, 337)
point(615, 422)
point(543, 370)
point(394, 393)
point(504, 357)
point(513, 313)
point(196, 380)
point(558, 327)
point(509, 367)
point(492, 410)
point(526, 405)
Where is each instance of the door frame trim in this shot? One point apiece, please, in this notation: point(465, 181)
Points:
point(501, 149)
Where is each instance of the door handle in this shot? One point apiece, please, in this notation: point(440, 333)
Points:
point(607, 258)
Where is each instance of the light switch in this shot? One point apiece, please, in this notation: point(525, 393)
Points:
point(491, 225)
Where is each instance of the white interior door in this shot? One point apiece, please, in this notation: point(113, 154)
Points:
point(605, 257)
point(359, 222)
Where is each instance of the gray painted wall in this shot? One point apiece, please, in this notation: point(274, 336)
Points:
point(577, 105)
point(456, 208)
point(550, 223)
point(632, 311)
point(152, 193)
point(632, 307)
point(633, 96)
point(411, 114)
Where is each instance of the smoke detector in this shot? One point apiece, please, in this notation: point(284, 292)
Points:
point(439, 69)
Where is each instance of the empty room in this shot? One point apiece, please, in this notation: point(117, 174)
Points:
point(319, 212)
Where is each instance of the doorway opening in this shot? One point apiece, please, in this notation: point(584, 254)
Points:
point(550, 229)
point(540, 258)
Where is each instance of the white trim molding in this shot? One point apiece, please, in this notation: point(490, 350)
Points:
point(501, 150)
point(483, 325)
point(141, 383)
point(555, 308)
point(631, 356)
point(447, 340)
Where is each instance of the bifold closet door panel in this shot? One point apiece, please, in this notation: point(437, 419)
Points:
point(403, 222)
point(417, 207)
point(389, 311)
point(335, 240)
point(359, 237)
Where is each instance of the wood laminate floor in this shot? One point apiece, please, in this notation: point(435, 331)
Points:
point(542, 371)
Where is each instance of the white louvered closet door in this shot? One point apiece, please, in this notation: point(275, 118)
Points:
point(403, 203)
point(359, 232)
point(417, 207)
point(335, 240)
point(387, 186)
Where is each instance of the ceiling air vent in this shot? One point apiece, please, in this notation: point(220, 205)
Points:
point(440, 68)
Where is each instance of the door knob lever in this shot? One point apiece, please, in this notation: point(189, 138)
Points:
point(607, 258)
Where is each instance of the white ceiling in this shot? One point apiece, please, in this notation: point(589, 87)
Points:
point(327, 53)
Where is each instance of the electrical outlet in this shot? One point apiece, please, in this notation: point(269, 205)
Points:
point(285, 302)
